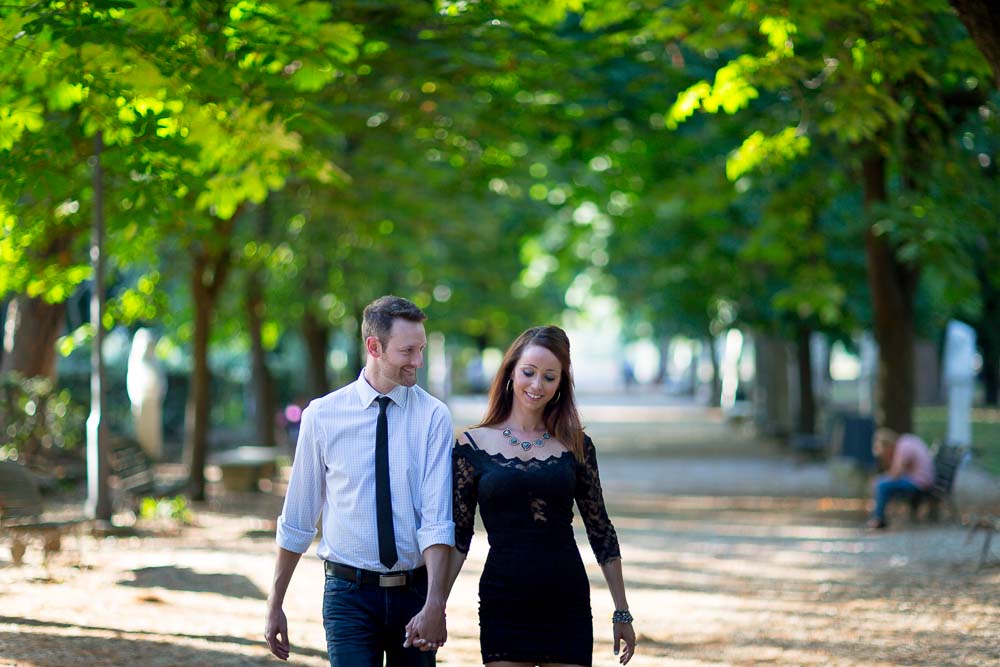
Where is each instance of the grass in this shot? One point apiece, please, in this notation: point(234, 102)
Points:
point(931, 423)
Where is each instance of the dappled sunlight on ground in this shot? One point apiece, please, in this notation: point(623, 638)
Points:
point(758, 580)
point(712, 581)
point(728, 560)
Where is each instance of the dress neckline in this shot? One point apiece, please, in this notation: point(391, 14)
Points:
point(506, 459)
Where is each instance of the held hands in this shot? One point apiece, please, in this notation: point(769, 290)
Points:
point(624, 631)
point(276, 633)
point(428, 629)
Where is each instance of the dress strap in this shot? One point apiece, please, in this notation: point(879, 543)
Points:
point(471, 441)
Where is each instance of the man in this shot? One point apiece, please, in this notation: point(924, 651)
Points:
point(374, 459)
point(910, 469)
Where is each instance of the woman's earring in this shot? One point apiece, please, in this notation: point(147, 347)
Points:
point(508, 384)
point(558, 396)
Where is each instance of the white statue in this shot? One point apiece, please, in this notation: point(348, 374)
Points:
point(146, 383)
point(960, 379)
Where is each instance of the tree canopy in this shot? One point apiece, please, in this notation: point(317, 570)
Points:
point(271, 166)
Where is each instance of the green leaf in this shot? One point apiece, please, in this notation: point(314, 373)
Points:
point(732, 89)
point(18, 118)
point(687, 103)
point(759, 150)
point(778, 31)
point(64, 95)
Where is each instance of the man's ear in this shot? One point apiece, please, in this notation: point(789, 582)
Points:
point(373, 346)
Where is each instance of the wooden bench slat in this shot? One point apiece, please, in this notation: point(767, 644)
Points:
point(135, 471)
point(947, 460)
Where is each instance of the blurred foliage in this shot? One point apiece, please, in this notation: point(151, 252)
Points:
point(931, 423)
point(497, 162)
point(172, 509)
point(506, 150)
point(38, 422)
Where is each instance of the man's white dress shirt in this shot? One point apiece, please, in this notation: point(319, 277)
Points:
point(334, 474)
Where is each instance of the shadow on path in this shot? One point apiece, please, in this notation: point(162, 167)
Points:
point(128, 638)
point(58, 650)
point(184, 579)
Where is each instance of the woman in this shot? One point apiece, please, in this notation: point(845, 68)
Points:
point(524, 465)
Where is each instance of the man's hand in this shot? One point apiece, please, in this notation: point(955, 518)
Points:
point(276, 627)
point(427, 630)
point(276, 632)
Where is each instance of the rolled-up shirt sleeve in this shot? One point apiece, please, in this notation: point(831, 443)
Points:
point(306, 488)
point(436, 524)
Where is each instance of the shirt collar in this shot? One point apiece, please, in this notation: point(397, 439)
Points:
point(367, 393)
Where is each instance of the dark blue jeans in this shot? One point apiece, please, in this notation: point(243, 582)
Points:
point(363, 623)
point(886, 489)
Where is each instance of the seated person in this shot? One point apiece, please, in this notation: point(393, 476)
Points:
point(910, 469)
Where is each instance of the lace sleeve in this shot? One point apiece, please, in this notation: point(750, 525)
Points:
point(590, 500)
point(465, 494)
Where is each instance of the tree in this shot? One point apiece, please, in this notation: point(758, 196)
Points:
point(281, 51)
point(982, 19)
point(856, 74)
point(191, 94)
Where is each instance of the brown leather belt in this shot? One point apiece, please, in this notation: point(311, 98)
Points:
point(370, 578)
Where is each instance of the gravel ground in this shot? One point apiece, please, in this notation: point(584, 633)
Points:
point(729, 560)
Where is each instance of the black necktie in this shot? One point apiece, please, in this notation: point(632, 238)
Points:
point(383, 495)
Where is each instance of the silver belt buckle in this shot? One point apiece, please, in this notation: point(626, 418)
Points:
point(389, 580)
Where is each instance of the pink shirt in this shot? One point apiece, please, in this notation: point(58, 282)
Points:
point(913, 461)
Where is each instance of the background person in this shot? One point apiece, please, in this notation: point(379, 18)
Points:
point(910, 470)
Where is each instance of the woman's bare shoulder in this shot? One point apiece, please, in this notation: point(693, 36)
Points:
point(474, 434)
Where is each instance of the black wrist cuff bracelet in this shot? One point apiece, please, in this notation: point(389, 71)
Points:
point(621, 616)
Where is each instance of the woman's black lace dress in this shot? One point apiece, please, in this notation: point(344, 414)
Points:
point(534, 595)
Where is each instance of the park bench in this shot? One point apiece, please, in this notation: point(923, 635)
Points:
point(22, 516)
point(243, 467)
point(809, 445)
point(947, 459)
point(133, 472)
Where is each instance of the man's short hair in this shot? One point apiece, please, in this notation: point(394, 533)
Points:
point(380, 313)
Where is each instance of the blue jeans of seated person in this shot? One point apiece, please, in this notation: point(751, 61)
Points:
point(365, 622)
point(886, 489)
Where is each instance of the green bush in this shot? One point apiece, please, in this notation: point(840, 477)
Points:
point(38, 422)
point(175, 508)
point(931, 423)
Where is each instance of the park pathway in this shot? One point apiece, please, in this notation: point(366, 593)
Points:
point(734, 554)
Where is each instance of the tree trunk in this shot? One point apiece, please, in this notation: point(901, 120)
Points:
point(207, 277)
point(31, 329)
point(716, 398)
point(32, 325)
point(988, 335)
point(982, 19)
point(316, 336)
point(261, 380)
point(4, 304)
point(771, 390)
point(892, 286)
point(991, 373)
point(807, 397)
point(663, 365)
point(199, 399)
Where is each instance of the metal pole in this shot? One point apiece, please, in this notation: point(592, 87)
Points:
point(98, 492)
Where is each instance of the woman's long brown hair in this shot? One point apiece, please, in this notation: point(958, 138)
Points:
point(560, 415)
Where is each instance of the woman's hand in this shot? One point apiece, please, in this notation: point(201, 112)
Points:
point(624, 632)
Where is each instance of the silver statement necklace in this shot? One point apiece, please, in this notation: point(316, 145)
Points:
point(525, 444)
